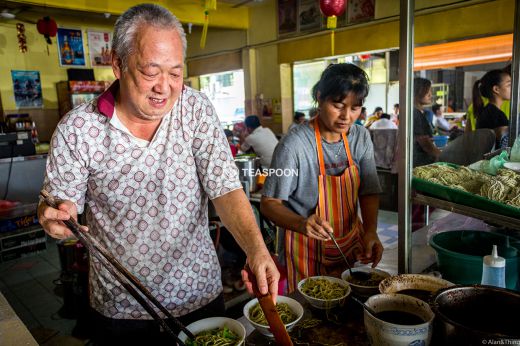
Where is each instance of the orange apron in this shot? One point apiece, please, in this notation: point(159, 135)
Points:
point(337, 204)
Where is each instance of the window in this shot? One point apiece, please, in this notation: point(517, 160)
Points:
point(226, 92)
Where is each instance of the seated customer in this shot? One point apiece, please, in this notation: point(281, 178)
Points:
point(299, 118)
point(384, 123)
point(232, 146)
point(442, 125)
point(261, 139)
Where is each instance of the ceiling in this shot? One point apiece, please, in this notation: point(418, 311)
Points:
point(229, 14)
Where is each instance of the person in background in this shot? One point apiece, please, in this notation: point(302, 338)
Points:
point(141, 160)
point(362, 117)
point(471, 122)
point(374, 117)
point(383, 123)
point(395, 115)
point(495, 85)
point(442, 125)
point(232, 146)
point(336, 176)
point(299, 118)
point(260, 139)
point(424, 150)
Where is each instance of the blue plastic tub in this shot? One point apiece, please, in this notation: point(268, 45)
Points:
point(440, 141)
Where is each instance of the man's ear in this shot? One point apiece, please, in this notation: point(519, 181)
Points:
point(117, 66)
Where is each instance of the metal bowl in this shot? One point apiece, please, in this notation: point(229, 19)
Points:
point(475, 315)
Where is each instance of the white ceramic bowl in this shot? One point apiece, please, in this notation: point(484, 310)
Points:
point(382, 333)
point(295, 307)
point(362, 290)
point(324, 303)
point(216, 322)
point(399, 283)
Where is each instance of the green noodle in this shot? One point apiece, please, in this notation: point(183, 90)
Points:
point(256, 314)
point(215, 337)
point(323, 289)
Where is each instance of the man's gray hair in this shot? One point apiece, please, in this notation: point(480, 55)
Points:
point(128, 24)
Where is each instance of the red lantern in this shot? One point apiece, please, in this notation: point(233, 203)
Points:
point(48, 28)
point(331, 8)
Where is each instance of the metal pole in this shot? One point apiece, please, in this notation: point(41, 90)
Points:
point(405, 133)
point(515, 69)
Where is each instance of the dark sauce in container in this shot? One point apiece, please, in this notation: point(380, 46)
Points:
point(399, 317)
point(423, 295)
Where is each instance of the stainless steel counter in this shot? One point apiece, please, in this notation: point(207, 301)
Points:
point(12, 330)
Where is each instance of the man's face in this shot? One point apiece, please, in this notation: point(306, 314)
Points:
point(153, 79)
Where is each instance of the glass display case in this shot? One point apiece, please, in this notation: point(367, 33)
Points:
point(73, 93)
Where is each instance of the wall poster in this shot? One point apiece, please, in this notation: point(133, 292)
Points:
point(27, 89)
point(70, 47)
point(309, 15)
point(100, 48)
point(360, 10)
point(287, 16)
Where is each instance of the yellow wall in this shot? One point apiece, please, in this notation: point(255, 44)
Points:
point(218, 40)
point(37, 59)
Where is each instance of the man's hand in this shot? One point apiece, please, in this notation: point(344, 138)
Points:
point(51, 219)
point(373, 250)
point(265, 271)
point(315, 227)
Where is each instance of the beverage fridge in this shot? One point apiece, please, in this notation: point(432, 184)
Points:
point(73, 93)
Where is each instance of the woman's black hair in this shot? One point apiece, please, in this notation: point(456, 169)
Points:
point(484, 87)
point(338, 81)
point(421, 86)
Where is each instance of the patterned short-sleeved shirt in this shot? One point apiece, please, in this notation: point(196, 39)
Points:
point(147, 206)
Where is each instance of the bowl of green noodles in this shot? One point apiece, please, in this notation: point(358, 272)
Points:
point(365, 287)
point(324, 292)
point(221, 331)
point(289, 309)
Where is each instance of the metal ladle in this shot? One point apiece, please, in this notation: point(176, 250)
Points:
point(366, 307)
point(361, 276)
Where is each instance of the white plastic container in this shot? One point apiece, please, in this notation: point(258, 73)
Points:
point(494, 270)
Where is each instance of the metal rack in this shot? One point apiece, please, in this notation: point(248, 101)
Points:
point(489, 217)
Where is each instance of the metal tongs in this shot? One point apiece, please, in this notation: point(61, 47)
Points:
point(125, 278)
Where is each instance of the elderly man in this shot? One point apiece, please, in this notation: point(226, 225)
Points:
point(141, 161)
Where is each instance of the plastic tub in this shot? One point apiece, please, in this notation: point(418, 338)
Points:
point(460, 255)
point(440, 141)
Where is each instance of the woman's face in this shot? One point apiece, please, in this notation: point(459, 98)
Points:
point(427, 98)
point(503, 90)
point(338, 116)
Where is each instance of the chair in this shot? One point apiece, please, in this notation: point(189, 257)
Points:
point(469, 148)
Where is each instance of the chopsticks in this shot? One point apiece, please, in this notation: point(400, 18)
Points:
point(125, 278)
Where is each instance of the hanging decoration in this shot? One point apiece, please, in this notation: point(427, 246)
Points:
point(48, 28)
point(22, 40)
point(332, 9)
point(209, 5)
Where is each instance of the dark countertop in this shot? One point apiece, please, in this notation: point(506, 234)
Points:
point(342, 325)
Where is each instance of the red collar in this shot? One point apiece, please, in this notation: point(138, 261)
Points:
point(107, 101)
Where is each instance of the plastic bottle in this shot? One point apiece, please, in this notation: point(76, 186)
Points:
point(515, 151)
point(494, 270)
